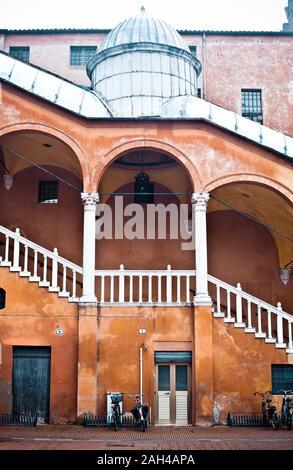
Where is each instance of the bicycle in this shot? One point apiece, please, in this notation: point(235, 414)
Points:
point(116, 399)
point(287, 410)
point(140, 412)
point(269, 411)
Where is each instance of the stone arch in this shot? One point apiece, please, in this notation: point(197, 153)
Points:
point(111, 156)
point(51, 131)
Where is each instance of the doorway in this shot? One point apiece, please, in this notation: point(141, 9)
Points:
point(31, 381)
point(173, 390)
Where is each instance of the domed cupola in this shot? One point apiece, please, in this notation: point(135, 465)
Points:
point(141, 64)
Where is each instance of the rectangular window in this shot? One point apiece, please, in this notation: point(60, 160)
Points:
point(80, 55)
point(252, 105)
point(199, 92)
point(48, 192)
point(22, 53)
point(282, 378)
point(193, 50)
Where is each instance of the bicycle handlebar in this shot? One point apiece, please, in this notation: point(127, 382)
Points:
point(261, 394)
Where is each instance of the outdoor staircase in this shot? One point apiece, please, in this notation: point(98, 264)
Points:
point(149, 288)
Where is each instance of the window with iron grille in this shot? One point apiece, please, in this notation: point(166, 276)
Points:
point(282, 378)
point(48, 192)
point(80, 55)
point(252, 105)
point(22, 53)
point(193, 50)
point(2, 298)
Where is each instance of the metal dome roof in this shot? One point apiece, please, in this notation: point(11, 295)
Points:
point(143, 28)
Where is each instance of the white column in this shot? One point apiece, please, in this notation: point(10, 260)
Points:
point(89, 247)
point(200, 202)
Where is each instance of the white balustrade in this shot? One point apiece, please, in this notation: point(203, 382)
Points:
point(39, 264)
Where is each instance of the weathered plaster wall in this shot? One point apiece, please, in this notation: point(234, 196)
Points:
point(30, 318)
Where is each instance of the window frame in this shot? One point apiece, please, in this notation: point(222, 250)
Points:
point(252, 104)
point(24, 49)
point(278, 385)
point(42, 192)
point(82, 59)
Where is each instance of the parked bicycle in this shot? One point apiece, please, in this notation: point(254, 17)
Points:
point(140, 412)
point(287, 410)
point(116, 399)
point(269, 411)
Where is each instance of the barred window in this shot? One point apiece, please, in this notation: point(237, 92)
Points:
point(22, 53)
point(282, 378)
point(80, 55)
point(252, 105)
point(193, 50)
point(48, 192)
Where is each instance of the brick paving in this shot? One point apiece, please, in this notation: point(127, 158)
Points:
point(47, 437)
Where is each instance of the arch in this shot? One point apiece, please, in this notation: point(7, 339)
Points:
point(147, 144)
point(45, 129)
point(250, 178)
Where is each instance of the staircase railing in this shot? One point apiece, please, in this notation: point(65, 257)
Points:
point(40, 265)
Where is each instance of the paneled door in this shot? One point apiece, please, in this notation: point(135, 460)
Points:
point(173, 393)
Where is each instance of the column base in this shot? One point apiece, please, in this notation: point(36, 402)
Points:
point(88, 301)
point(202, 300)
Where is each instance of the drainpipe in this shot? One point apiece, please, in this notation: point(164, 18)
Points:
point(140, 373)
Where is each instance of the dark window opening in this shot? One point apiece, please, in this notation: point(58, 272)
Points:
point(80, 55)
point(48, 192)
point(282, 378)
point(22, 53)
point(199, 92)
point(2, 298)
point(193, 50)
point(252, 105)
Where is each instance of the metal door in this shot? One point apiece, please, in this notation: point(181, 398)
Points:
point(31, 380)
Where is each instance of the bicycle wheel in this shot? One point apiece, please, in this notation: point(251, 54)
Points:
point(289, 422)
point(275, 422)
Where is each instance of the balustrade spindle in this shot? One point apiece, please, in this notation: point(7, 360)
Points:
point(131, 288)
point(280, 334)
point(290, 343)
point(218, 313)
point(25, 271)
point(55, 271)
point(74, 284)
point(150, 279)
point(35, 273)
point(102, 288)
point(169, 284)
point(178, 288)
point(159, 288)
point(259, 333)
point(44, 282)
point(239, 323)
point(64, 281)
point(249, 328)
point(111, 288)
point(270, 338)
point(229, 318)
point(121, 284)
point(6, 260)
point(140, 288)
point(15, 265)
point(188, 289)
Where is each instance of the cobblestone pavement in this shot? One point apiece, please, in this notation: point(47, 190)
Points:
point(47, 437)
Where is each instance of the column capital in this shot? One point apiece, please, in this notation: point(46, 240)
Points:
point(200, 199)
point(90, 199)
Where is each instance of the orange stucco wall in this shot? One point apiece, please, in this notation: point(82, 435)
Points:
point(30, 318)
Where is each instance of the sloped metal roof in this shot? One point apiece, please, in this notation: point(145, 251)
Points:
point(64, 94)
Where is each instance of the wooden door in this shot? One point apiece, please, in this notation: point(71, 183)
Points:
point(31, 380)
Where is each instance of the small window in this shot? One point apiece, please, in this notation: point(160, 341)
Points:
point(2, 298)
point(22, 53)
point(282, 378)
point(80, 55)
point(48, 192)
point(252, 105)
point(199, 92)
point(193, 50)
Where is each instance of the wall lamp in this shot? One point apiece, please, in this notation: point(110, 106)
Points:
point(285, 273)
point(7, 177)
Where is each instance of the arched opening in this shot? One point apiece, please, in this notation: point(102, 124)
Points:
point(172, 188)
point(44, 199)
point(242, 250)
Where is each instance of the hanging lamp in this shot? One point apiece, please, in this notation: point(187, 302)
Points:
point(143, 187)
